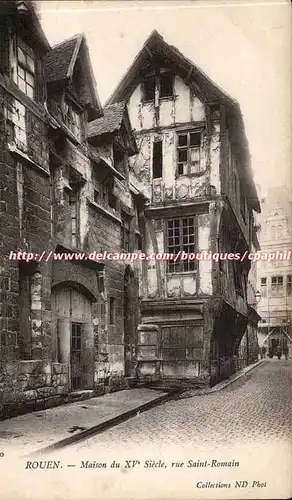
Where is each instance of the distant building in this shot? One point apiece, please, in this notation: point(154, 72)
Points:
point(194, 162)
point(275, 276)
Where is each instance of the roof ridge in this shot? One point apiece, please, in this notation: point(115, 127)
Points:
point(78, 35)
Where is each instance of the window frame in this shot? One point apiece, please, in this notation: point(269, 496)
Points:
point(73, 120)
point(155, 79)
point(180, 266)
point(289, 285)
point(21, 45)
point(188, 147)
point(125, 232)
point(277, 289)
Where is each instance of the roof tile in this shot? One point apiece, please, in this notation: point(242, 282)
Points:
point(108, 123)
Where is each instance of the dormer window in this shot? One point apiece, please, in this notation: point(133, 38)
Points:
point(25, 75)
point(72, 120)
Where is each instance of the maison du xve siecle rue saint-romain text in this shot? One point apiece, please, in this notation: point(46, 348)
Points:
point(164, 166)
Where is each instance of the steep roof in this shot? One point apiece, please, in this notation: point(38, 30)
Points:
point(156, 50)
point(59, 66)
point(109, 122)
point(156, 47)
point(58, 62)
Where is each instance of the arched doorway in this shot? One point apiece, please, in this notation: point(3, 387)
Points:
point(72, 334)
point(130, 322)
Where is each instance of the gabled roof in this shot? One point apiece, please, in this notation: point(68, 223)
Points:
point(156, 51)
point(110, 121)
point(58, 62)
point(59, 66)
point(156, 47)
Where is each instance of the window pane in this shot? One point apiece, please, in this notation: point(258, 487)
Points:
point(30, 91)
point(182, 155)
point(195, 139)
point(30, 64)
point(21, 84)
point(21, 72)
point(166, 84)
point(30, 79)
point(183, 140)
point(21, 56)
point(149, 88)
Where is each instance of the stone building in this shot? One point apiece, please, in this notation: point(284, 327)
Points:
point(64, 187)
point(275, 276)
point(193, 159)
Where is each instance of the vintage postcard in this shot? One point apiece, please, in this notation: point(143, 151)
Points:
point(145, 250)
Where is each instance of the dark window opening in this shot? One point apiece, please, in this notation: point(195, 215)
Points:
point(157, 160)
point(119, 161)
point(289, 284)
point(138, 242)
point(149, 88)
point(181, 234)
point(96, 195)
point(111, 311)
point(125, 232)
point(166, 84)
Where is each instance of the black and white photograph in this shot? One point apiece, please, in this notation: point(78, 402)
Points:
point(145, 250)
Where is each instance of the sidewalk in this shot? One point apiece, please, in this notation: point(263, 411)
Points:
point(53, 428)
point(46, 430)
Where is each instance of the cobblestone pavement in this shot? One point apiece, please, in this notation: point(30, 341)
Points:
point(256, 408)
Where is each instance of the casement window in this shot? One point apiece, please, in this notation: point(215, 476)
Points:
point(189, 152)
point(25, 68)
point(72, 120)
point(162, 82)
point(264, 287)
point(125, 232)
point(157, 160)
point(181, 237)
point(289, 284)
point(277, 285)
point(112, 311)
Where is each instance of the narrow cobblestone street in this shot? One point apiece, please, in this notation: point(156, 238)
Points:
point(254, 409)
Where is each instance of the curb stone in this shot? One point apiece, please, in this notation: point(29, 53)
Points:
point(98, 428)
